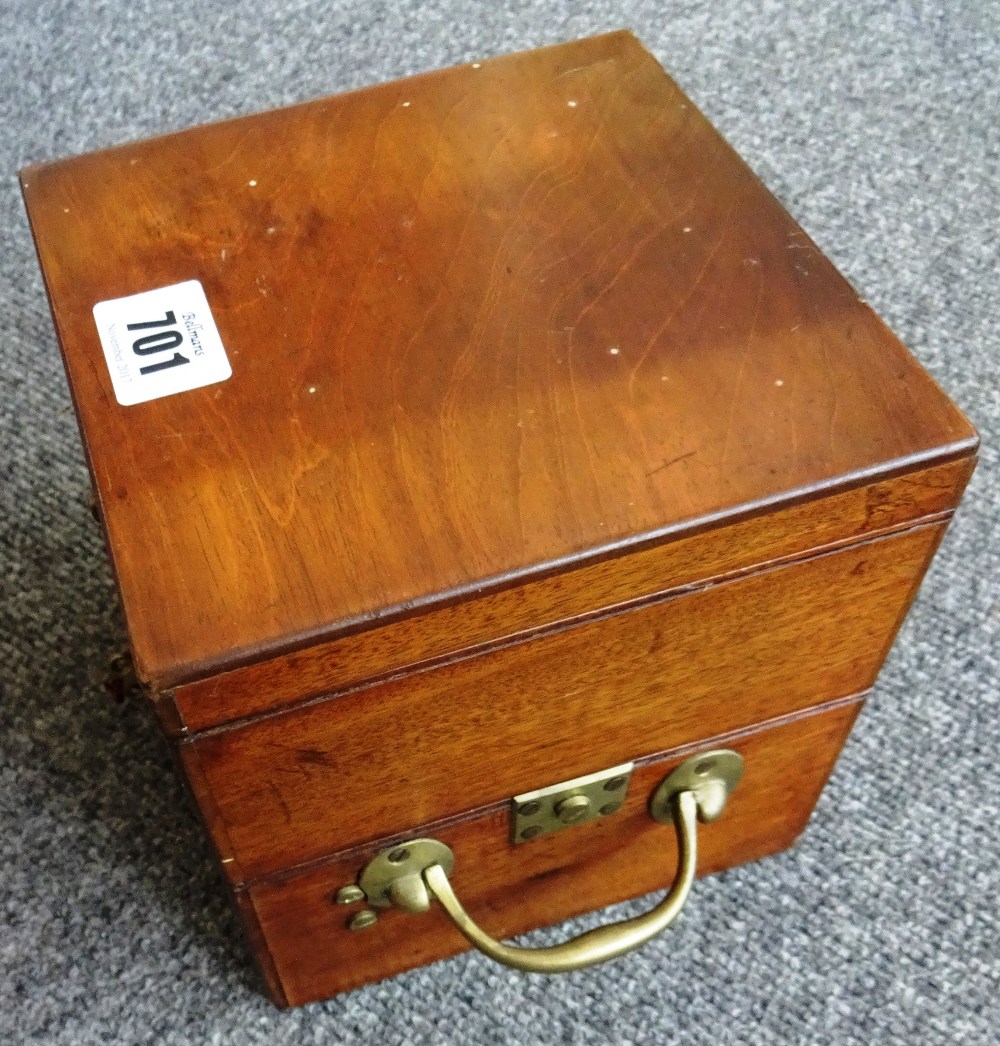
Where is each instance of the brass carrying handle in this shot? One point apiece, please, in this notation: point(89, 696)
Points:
point(407, 876)
point(594, 946)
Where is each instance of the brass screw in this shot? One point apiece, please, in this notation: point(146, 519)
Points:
point(610, 808)
point(532, 831)
point(399, 855)
point(573, 809)
point(615, 783)
point(362, 920)
point(704, 766)
point(350, 894)
point(530, 808)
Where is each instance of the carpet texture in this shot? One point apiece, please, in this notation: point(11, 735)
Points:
point(875, 123)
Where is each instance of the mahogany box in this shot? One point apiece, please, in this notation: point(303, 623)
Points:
point(474, 451)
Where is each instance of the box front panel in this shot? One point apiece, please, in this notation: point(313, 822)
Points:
point(310, 953)
point(297, 786)
point(741, 547)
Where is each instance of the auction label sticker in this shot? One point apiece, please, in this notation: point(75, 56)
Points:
point(161, 342)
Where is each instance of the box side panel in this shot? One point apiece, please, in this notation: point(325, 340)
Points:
point(510, 890)
point(295, 786)
point(413, 642)
point(259, 948)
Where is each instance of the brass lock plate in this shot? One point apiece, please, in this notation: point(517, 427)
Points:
point(548, 810)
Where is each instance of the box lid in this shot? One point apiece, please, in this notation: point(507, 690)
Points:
point(479, 325)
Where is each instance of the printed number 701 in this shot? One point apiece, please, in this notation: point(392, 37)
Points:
point(162, 341)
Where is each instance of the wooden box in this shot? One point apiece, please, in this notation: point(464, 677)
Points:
point(467, 435)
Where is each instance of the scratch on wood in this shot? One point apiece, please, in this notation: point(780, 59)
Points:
point(672, 461)
point(314, 757)
point(280, 799)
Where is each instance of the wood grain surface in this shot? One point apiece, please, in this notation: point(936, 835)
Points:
point(511, 889)
point(484, 324)
point(416, 642)
point(295, 786)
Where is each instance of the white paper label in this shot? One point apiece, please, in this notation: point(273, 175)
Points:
point(161, 342)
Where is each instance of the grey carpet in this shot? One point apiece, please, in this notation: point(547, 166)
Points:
point(876, 123)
